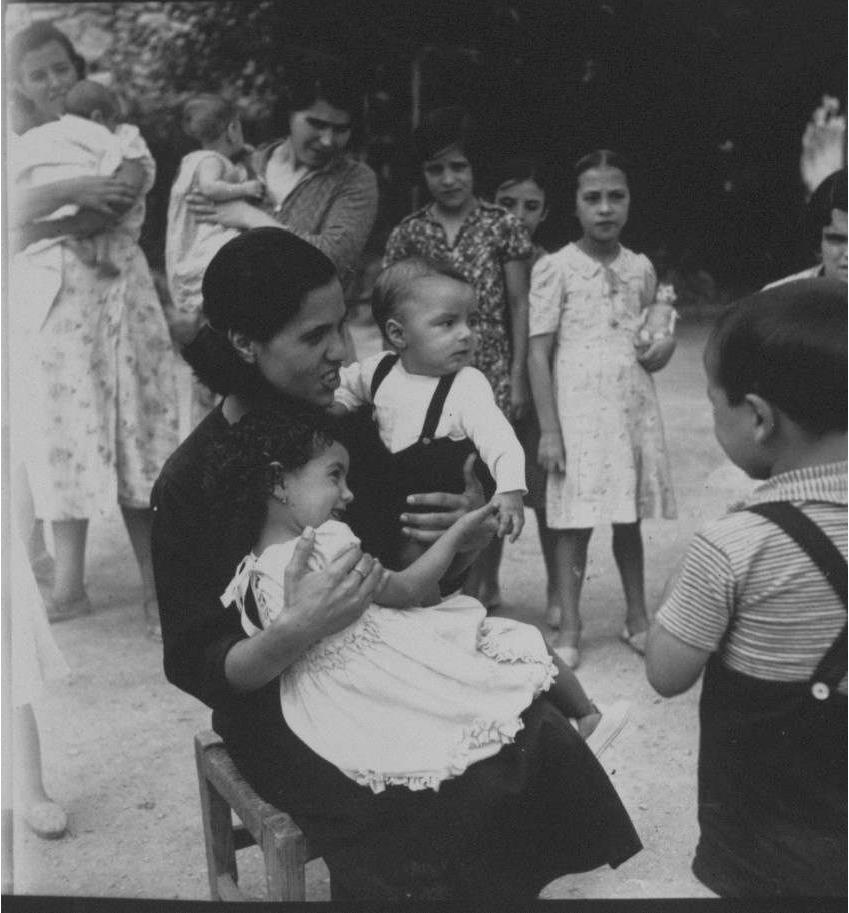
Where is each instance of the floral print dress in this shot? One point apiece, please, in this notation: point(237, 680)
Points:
point(92, 386)
point(617, 469)
point(488, 238)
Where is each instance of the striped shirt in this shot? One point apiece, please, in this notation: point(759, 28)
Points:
point(746, 589)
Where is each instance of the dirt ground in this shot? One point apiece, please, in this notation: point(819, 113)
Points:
point(117, 738)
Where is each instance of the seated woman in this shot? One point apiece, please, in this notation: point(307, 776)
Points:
point(540, 808)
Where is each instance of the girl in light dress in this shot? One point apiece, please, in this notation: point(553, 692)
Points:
point(408, 695)
point(601, 438)
point(190, 243)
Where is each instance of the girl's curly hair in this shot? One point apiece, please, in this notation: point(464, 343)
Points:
point(245, 464)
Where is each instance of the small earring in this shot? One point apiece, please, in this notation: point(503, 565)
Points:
point(281, 498)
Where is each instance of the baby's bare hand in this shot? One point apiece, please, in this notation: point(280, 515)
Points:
point(511, 514)
point(255, 189)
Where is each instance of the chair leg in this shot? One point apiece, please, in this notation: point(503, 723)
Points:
point(217, 834)
point(284, 849)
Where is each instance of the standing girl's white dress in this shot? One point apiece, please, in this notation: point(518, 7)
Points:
point(401, 696)
point(617, 470)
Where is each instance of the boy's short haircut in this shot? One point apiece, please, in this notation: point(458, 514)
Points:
point(788, 345)
point(87, 96)
point(394, 284)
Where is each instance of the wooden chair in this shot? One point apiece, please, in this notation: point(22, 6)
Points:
point(223, 791)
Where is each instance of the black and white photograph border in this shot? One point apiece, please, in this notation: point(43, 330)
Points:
point(733, 110)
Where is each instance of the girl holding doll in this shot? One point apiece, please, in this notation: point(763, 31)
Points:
point(601, 438)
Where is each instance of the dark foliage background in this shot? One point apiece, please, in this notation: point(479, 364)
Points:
point(709, 98)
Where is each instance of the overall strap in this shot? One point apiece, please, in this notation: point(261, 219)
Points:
point(384, 366)
point(827, 557)
point(434, 410)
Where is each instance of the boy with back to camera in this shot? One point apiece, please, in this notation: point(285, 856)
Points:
point(760, 603)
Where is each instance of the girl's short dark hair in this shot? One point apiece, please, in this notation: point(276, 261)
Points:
point(313, 76)
point(252, 455)
point(830, 195)
point(445, 128)
point(394, 283)
point(32, 38)
point(516, 170)
point(788, 345)
point(254, 285)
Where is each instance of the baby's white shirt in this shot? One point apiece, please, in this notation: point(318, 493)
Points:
point(470, 411)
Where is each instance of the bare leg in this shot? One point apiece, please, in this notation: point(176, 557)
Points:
point(138, 521)
point(42, 814)
point(570, 550)
point(69, 538)
point(547, 540)
point(482, 581)
point(628, 552)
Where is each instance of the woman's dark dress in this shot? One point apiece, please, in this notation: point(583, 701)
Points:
point(541, 808)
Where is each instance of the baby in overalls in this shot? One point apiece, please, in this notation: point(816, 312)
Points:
point(431, 409)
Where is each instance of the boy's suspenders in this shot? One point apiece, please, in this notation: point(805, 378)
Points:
point(827, 557)
point(434, 410)
point(384, 366)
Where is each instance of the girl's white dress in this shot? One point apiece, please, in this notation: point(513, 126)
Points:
point(401, 696)
point(617, 469)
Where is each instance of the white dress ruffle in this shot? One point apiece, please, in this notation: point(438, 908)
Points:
point(405, 697)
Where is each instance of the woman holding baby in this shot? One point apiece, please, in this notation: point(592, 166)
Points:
point(95, 389)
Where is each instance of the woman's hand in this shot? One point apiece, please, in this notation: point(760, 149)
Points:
point(183, 327)
point(201, 207)
point(551, 455)
point(325, 601)
point(106, 195)
point(231, 214)
point(448, 509)
point(657, 354)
